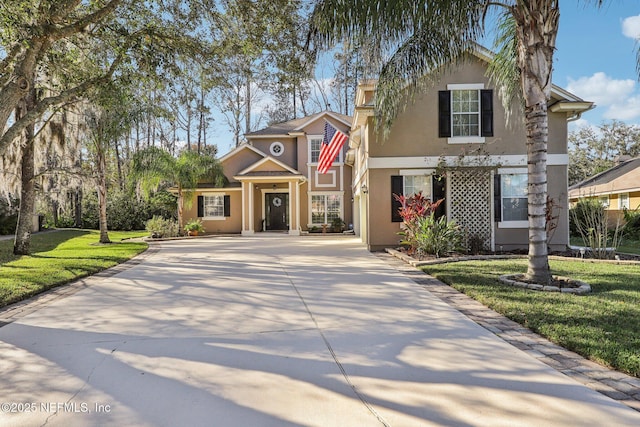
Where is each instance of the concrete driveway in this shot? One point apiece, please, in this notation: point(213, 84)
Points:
point(274, 331)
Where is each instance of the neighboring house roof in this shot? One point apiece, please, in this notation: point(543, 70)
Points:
point(621, 178)
point(296, 126)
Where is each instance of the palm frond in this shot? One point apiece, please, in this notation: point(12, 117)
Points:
point(503, 70)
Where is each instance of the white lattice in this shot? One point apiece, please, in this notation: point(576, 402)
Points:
point(470, 204)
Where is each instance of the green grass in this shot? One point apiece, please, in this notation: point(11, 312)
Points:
point(603, 326)
point(628, 246)
point(59, 257)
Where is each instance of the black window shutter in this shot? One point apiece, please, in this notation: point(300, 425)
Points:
point(444, 114)
point(486, 112)
point(497, 198)
point(200, 206)
point(397, 188)
point(439, 192)
point(227, 205)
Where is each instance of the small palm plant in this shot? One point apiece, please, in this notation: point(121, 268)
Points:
point(193, 227)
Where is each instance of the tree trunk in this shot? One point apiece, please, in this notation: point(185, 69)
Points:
point(78, 207)
point(180, 209)
point(119, 163)
point(102, 198)
point(22, 242)
point(538, 269)
point(537, 28)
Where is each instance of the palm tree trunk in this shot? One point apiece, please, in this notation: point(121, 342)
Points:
point(538, 269)
point(537, 28)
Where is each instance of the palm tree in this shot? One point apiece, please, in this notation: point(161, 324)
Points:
point(424, 36)
point(154, 166)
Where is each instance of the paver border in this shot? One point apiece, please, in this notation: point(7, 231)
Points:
point(616, 385)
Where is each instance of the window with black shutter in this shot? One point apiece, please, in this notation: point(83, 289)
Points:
point(227, 206)
point(200, 206)
point(465, 112)
point(397, 188)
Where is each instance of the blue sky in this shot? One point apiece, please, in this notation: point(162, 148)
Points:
point(596, 59)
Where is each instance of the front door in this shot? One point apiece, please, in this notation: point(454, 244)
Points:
point(276, 211)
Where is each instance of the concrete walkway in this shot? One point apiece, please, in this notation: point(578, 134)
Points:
point(271, 331)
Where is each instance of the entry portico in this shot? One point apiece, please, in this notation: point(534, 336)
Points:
point(270, 197)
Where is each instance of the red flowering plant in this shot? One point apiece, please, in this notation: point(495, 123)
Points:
point(412, 211)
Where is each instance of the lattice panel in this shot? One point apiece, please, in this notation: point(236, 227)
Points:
point(470, 204)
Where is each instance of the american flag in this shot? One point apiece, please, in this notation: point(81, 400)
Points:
point(331, 145)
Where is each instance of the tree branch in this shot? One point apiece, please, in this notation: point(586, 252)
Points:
point(85, 21)
point(42, 106)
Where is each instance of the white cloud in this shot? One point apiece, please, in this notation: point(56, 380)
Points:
point(631, 27)
point(601, 89)
point(625, 110)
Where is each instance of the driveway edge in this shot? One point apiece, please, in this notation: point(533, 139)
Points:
point(616, 385)
point(12, 312)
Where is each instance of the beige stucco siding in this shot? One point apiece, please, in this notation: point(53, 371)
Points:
point(290, 154)
point(415, 131)
point(231, 224)
point(239, 162)
point(381, 230)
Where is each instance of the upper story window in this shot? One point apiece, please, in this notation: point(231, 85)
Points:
point(315, 144)
point(465, 113)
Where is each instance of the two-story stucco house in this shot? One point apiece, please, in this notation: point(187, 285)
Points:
point(274, 184)
point(453, 142)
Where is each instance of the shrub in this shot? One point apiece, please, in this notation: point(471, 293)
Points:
point(159, 227)
point(412, 210)
point(8, 216)
point(590, 219)
point(125, 212)
point(163, 204)
point(632, 224)
point(337, 224)
point(437, 236)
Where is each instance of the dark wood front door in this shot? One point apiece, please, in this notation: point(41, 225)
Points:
point(276, 211)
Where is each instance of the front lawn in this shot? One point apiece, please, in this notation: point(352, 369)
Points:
point(59, 257)
point(603, 326)
point(628, 246)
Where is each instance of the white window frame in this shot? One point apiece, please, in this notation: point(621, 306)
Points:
point(623, 201)
point(337, 162)
point(427, 174)
point(215, 217)
point(604, 201)
point(511, 224)
point(310, 139)
point(470, 139)
point(339, 194)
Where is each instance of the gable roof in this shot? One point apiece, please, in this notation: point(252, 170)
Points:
point(562, 100)
point(279, 169)
point(286, 129)
point(611, 180)
point(242, 147)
